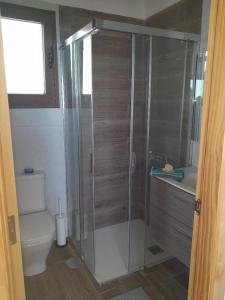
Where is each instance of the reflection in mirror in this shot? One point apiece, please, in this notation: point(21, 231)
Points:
point(197, 107)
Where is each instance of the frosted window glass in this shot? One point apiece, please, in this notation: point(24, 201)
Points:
point(24, 56)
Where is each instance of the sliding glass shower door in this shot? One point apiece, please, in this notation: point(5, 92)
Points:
point(71, 122)
point(138, 127)
point(78, 121)
point(86, 158)
point(173, 66)
point(108, 77)
point(105, 142)
point(127, 99)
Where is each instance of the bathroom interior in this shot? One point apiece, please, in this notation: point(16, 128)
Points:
point(120, 99)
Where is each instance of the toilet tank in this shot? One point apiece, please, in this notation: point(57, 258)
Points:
point(30, 192)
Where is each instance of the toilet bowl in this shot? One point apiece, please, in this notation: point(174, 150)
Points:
point(37, 228)
point(37, 234)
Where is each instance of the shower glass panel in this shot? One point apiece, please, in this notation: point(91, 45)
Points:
point(83, 53)
point(173, 66)
point(140, 81)
point(71, 123)
point(167, 100)
point(112, 69)
point(80, 134)
point(127, 104)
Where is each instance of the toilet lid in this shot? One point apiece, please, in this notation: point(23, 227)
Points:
point(36, 228)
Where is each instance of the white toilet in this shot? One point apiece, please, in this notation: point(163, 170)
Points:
point(37, 228)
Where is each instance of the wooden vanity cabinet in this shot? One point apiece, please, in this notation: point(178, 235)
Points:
point(171, 218)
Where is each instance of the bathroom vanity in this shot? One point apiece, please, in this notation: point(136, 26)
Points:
point(172, 212)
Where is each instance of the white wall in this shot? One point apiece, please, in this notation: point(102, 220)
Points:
point(38, 143)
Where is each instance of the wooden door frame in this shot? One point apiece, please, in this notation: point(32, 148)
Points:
point(11, 269)
point(6, 287)
point(207, 272)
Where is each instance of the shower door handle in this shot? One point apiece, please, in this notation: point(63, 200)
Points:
point(133, 162)
point(91, 163)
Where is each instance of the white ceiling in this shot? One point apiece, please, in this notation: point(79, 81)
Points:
point(140, 9)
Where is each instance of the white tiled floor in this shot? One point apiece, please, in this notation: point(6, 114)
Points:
point(111, 250)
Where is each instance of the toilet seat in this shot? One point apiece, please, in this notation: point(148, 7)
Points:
point(36, 228)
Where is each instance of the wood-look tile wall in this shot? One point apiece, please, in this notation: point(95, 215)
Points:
point(140, 124)
point(170, 128)
point(111, 92)
point(185, 16)
point(72, 19)
point(171, 99)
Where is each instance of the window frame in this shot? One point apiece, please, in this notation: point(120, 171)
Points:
point(47, 18)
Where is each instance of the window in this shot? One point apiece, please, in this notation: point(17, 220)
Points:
point(30, 56)
point(24, 56)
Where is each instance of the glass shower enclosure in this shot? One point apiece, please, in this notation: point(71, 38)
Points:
point(113, 76)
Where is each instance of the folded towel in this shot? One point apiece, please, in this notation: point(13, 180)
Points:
point(176, 174)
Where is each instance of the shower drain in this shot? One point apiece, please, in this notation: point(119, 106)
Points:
point(155, 249)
